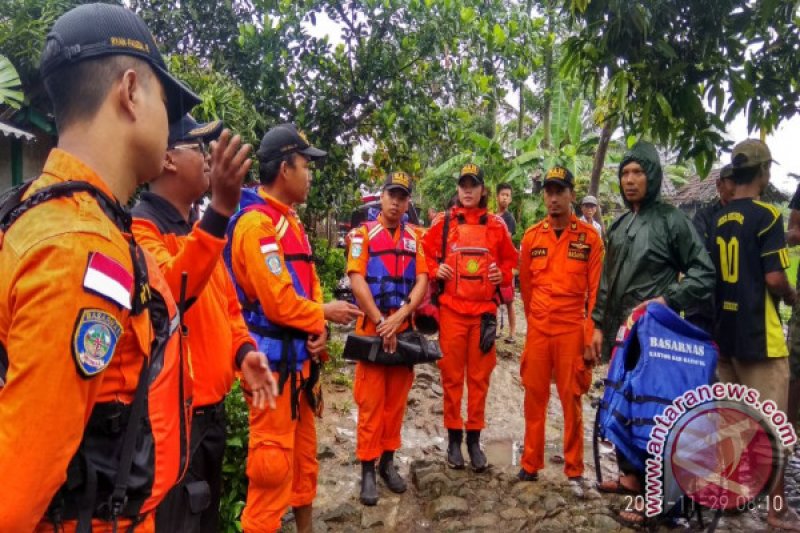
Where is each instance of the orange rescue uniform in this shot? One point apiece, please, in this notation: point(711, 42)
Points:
point(559, 277)
point(46, 402)
point(216, 329)
point(282, 461)
point(460, 319)
point(380, 391)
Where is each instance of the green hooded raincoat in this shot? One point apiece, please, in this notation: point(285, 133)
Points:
point(647, 251)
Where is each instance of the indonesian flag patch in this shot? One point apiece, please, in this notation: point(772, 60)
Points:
point(107, 278)
point(268, 245)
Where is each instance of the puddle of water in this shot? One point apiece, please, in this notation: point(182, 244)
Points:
point(502, 452)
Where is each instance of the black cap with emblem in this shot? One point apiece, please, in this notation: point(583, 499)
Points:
point(560, 175)
point(188, 129)
point(397, 180)
point(473, 171)
point(286, 139)
point(91, 31)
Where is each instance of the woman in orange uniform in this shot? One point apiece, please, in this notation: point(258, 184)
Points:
point(470, 252)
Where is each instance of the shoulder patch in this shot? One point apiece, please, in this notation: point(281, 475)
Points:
point(94, 341)
point(356, 247)
point(274, 265)
point(107, 278)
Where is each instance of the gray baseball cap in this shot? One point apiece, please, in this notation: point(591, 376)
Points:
point(589, 200)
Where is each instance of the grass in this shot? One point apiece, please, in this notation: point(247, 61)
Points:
point(791, 272)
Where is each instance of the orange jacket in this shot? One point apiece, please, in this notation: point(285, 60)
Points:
point(216, 330)
point(359, 265)
point(559, 276)
point(501, 250)
point(281, 304)
point(46, 403)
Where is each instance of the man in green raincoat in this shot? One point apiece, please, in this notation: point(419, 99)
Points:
point(649, 248)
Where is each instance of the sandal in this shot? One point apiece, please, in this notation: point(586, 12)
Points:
point(788, 521)
point(615, 486)
point(632, 519)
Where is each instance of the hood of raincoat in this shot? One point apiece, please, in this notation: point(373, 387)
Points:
point(646, 155)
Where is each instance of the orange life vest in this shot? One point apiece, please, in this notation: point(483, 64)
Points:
point(469, 256)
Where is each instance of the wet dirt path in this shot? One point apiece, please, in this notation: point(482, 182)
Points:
point(440, 499)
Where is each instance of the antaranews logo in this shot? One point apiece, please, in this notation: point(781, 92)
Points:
point(718, 445)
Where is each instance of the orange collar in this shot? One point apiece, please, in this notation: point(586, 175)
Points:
point(66, 167)
point(277, 204)
point(471, 214)
point(571, 226)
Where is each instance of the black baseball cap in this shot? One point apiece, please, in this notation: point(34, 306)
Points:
point(286, 139)
point(397, 180)
point(188, 129)
point(471, 170)
point(561, 176)
point(91, 31)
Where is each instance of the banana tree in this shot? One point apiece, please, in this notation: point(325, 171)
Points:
point(10, 85)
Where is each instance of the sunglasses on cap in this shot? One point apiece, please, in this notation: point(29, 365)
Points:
point(200, 146)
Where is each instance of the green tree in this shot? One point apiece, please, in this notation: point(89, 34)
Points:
point(656, 63)
point(10, 93)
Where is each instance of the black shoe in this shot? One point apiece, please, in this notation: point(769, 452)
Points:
point(454, 457)
point(369, 487)
point(390, 475)
point(476, 455)
point(524, 475)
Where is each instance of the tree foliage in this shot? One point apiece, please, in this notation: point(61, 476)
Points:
point(679, 71)
point(10, 93)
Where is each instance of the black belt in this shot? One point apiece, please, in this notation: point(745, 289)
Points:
point(214, 411)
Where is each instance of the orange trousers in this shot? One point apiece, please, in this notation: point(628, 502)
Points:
point(459, 339)
point(282, 463)
point(381, 393)
point(148, 525)
point(561, 356)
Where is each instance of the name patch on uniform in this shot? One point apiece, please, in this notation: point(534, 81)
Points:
point(539, 252)
point(578, 251)
point(274, 265)
point(410, 245)
point(94, 340)
point(107, 278)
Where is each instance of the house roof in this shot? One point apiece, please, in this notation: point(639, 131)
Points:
point(704, 191)
point(10, 131)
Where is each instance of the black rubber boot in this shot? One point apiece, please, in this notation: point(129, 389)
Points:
point(390, 475)
point(369, 487)
point(476, 455)
point(454, 457)
point(524, 475)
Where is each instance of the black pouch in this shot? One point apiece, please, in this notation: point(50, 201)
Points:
point(199, 495)
point(488, 331)
point(412, 348)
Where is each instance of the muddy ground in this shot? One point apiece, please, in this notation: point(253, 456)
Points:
point(440, 499)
